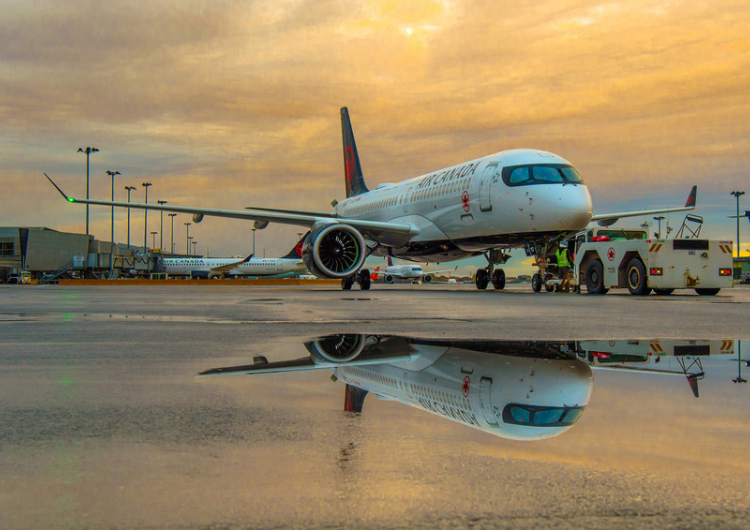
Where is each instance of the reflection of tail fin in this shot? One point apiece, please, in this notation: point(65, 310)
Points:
point(355, 181)
point(354, 399)
point(296, 252)
point(692, 197)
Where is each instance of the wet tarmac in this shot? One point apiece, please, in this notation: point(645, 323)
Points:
point(104, 422)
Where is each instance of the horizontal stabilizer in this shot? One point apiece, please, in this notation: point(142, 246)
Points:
point(612, 218)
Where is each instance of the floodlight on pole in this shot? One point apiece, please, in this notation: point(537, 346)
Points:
point(88, 151)
point(145, 216)
point(129, 188)
point(171, 241)
point(161, 228)
point(738, 194)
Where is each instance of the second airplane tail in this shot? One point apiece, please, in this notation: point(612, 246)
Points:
point(296, 252)
point(355, 180)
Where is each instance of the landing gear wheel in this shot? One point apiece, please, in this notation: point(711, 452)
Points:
point(595, 278)
point(637, 282)
point(536, 282)
point(663, 292)
point(708, 292)
point(482, 279)
point(364, 279)
point(346, 283)
point(498, 279)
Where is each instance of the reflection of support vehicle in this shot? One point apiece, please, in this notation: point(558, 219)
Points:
point(610, 258)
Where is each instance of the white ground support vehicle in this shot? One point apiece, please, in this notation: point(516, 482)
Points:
point(607, 258)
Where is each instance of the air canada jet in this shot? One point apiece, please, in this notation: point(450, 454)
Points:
point(522, 198)
point(289, 264)
point(516, 390)
point(408, 272)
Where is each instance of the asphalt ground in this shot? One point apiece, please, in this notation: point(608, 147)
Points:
point(103, 423)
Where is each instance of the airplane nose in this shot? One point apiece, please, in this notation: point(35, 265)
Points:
point(575, 208)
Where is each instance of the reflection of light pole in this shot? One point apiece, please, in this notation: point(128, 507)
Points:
point(153, 241)
point(187, 238)
point(738, 194)
point(254, 229)
point(129, 188)
point(739, 365)
point(88, 151)
point(161, 229)
point(660, 218)
point(145, 216)
point(171, 241)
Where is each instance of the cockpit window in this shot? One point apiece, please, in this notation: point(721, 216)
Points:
point(534, 416)
point(541, 174)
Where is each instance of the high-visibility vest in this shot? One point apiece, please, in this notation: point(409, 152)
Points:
point(562, 257)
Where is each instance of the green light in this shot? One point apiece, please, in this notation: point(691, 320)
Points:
point(71, 199)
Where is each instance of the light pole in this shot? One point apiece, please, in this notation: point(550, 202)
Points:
point(195, 244)
point(171, 241)
point(659, 218)
point(145, 217)
point(187, 238)
point(738, 194)
point(129, 188)
point(254, 229)
point(264, 253)
point(153, 241)
point(112, 208)
point(88, 152)
point(161, 228)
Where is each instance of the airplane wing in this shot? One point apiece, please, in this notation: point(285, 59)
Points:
point(377, 231)
point(611, 218)
point(229, 266)
point(283, 210)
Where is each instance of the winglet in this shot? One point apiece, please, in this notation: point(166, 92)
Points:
point(69, 199)
point(247, 259)
point(692, 198)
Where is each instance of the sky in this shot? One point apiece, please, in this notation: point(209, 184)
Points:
point(232, 104)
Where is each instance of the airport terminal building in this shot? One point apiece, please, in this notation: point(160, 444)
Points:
point(48, 255)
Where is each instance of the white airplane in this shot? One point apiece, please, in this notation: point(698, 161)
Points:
point(289, 264)
point(410, 272)
point(510, 389)
point(519, 198)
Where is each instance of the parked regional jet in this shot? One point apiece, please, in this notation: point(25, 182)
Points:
point(219, 267)
point(409, 272)
point(514, 390)
point(519, 198)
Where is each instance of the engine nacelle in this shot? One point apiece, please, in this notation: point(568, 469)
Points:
point(427, 278)
point(197, 217)
point(336, 348)
point(334, 251)
point(388, 278)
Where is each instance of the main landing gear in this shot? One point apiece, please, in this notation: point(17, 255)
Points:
point(491, 274)
point(362, 277)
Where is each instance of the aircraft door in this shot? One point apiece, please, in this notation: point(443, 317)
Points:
point(485, 401)
point(485, 185)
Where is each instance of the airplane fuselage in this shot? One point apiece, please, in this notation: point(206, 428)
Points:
point(486, 203)
point(252, 267)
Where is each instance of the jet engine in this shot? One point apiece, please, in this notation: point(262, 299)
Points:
point(427, 278)
point(334, 251)
point(388, 278)
point(337, 348)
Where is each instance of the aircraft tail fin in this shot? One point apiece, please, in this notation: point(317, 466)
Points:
point(355, 181)
point(296, 252)
point(375, 274)
point(354, 398)
point(390, 262)
point(692, 197)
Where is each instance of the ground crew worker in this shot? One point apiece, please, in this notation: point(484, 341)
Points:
point(563, 264)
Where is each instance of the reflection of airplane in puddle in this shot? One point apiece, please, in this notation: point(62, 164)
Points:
point(516, 390)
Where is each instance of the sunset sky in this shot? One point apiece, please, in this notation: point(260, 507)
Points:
point(232, 104)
